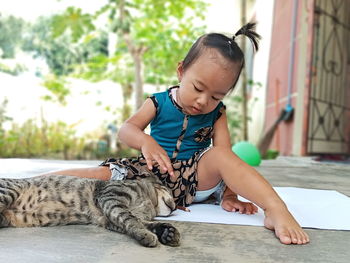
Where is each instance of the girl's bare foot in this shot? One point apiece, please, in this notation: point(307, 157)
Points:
point(286, 228)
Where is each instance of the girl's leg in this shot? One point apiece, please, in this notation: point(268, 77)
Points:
point(100, 172)
point(221, 162)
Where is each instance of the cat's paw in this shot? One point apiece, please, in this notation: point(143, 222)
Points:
point(167, 234)
point(146, 238)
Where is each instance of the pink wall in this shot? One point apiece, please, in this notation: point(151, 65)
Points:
point(277, 92)
point(277, 83)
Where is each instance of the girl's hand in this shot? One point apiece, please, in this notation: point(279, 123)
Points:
point(232, 204)
point(154, 153)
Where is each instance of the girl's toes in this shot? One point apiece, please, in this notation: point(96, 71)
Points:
point(295, 238)
point(305, 238)
point(285, 240)
point(300, 241)
point(300, 237)
point(284, 237)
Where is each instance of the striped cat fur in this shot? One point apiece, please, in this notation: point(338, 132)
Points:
point(126, 206)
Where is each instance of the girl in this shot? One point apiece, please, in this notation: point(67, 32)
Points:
point(184, 121)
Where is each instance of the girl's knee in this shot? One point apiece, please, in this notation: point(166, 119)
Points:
point(222, 153)
point(221, 150)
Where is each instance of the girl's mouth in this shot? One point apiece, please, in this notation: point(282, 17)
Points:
point(195, 110)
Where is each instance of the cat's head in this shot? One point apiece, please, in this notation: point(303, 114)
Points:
point(166, 204)
point(165, 201)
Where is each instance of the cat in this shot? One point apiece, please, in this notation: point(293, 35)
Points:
point(125, 206)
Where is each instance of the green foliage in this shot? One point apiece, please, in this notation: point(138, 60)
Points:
point(234, 112)
point(56, 140)
point(11, 35)
point(169, 48)
point(93, 70)
point(3, 116)
point(61, 52)
point(234, 117)
point(15, 70)
point(271, 154)
point(58, 88)
point(164, 29)
point(157, 33)
point(72, 45)
point(11, 39)
point(52, 140)
point(79, 24)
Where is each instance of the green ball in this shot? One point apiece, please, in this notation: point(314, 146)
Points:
point(247, 152)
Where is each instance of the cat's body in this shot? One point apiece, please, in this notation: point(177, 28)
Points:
point(126, 206)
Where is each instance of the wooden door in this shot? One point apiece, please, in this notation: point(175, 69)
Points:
point(329, 105)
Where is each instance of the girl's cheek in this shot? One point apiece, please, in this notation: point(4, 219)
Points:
point(216, 103)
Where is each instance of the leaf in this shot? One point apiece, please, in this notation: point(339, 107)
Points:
point(58, 87)
point(73, 20)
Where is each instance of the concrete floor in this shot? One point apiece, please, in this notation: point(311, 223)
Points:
point(200, 242)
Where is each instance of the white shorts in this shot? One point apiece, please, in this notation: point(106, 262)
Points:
point(204, 195)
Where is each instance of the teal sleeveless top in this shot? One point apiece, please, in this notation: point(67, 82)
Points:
point(181, 135)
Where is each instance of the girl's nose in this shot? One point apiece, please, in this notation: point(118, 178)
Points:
point(202, 100)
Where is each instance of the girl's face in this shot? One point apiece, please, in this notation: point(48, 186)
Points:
point(206, 82)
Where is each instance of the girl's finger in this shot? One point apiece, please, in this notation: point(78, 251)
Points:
point(255, 208)
point(239, 208)
point(149, 162)
point(160, 162)
point(251, 209)
point(168, 165)
point(229, 208)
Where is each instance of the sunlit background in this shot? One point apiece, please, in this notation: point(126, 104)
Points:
point(49, 93)
point(72, 71)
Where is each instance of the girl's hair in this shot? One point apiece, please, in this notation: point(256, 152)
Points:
point(227, 46)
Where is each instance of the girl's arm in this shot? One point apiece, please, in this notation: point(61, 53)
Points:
point(221, 133)
point(132, 131)
point(132, 134)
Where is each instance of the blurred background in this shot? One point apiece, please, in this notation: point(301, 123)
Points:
point(72, 71)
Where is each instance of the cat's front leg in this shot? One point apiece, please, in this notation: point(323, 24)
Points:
point(166, 233)
point(120, 219)
point(125, 222)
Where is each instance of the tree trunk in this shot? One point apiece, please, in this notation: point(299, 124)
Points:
point(138, 80)
point(127, 92)
point(244, 78)
point(136, 53)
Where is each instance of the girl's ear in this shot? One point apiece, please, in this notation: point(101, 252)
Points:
point(179, 70)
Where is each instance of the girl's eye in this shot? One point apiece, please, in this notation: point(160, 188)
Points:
point(196, 89)
point(215, 98)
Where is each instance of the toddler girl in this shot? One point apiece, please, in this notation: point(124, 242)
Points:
point(189, 145)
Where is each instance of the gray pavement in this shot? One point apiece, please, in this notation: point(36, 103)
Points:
point(200, 242)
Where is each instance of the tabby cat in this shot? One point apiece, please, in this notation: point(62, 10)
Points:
point(126, 206)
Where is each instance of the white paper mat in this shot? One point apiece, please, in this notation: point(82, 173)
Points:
point(323, 209)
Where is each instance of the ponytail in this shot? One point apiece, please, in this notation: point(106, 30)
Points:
point(249, 31)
